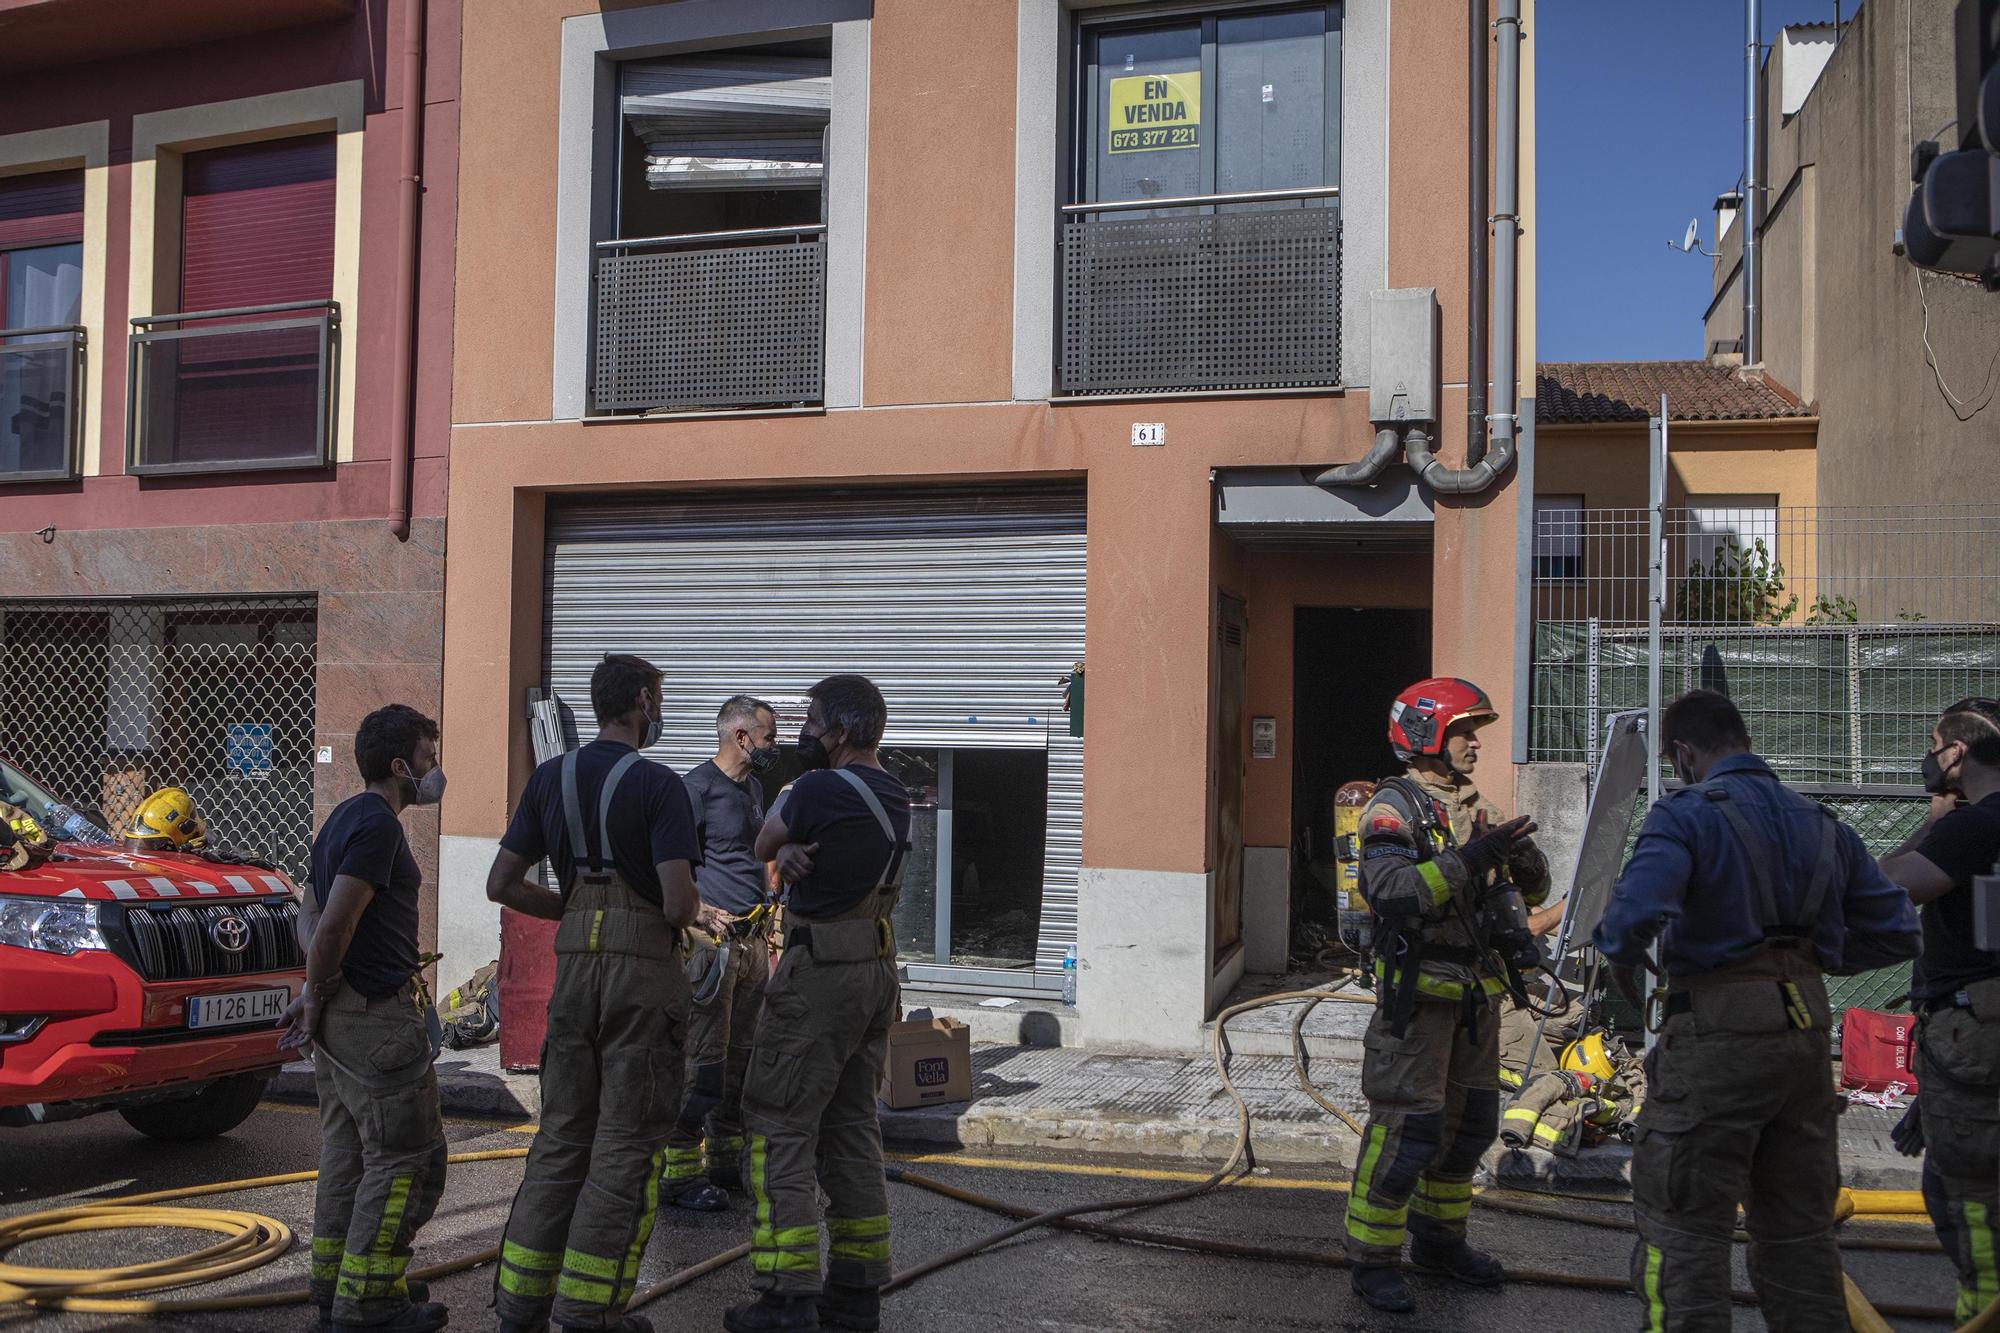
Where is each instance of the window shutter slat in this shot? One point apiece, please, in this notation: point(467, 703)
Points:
point(45, 208)
point(257, 224)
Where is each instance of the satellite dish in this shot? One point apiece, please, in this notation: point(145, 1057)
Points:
point(1687, 241)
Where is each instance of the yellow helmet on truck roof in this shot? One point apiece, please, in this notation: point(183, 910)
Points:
point(166, 821)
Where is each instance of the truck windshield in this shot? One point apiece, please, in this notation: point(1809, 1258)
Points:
point(61, 822)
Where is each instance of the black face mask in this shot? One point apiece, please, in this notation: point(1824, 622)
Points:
point(762, 761)
point(813, 752)
point(1934, 779)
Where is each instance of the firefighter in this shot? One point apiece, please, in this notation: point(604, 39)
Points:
point(734, 923)
point(382, 1145)
point(620, 833)
point(839, 838)
point(1433, 848)
point(1956, 991)
point(1752, 891)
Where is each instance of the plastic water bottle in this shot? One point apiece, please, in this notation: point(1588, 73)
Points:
point(1069, 977)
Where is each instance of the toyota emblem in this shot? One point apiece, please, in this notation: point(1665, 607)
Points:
point(231, 933)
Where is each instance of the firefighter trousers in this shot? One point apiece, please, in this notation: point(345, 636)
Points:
point(709, 1133)
point(1433, 1110)
point(382, 1152)
point(809, 1105)
point(1958, 1077)
point(1737, 1118)
point(611, 1077)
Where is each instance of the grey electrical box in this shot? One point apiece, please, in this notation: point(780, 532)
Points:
point(1402, 341)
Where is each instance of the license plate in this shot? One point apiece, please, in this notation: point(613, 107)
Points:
point(237, 1007)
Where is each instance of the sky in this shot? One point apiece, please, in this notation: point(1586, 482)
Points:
point(1640, 124)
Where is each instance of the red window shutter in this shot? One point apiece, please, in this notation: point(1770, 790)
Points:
point(45, 208)
point(257, 224)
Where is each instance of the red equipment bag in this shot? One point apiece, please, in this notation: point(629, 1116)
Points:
point(1875, 1050)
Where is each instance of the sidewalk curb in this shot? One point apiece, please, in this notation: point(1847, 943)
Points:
point(978, 1126)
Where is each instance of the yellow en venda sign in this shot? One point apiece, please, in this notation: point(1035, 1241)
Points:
point(1153, 111)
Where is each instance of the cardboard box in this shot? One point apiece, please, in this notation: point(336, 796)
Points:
point(930, 1063)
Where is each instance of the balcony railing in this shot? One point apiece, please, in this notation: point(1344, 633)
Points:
point(1202, 300)
point(41, 370)
point(249, 389)
point(724, 319)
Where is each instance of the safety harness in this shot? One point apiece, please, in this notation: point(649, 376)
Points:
point(1784, 955)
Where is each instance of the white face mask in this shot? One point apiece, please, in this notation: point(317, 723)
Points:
point(427, 790)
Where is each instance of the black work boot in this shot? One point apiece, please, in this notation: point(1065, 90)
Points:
point(850, 1307)
point(425, 1318)
point(1382, 1286)
point(420, 1294)
point(631, 1323)
point(1457, 1261)
point(522, 1326)
point(792, 1314)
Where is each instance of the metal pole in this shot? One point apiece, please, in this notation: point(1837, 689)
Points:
point(1656, 600)
point(1753, 191)
point(1656, 594)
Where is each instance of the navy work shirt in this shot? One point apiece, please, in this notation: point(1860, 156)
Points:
point(363, 838)
point(727, 816)
point(1690, 883)
point(1964, 843)
point(651, 819)
point(822, 807)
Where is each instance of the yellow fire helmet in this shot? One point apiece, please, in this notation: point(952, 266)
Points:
point(24, 839)
point(1589, 1056)
point(166, 821)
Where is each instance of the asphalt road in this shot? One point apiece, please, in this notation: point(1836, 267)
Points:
point(1051, 1283)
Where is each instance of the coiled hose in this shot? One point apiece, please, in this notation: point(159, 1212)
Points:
point(251, 1240)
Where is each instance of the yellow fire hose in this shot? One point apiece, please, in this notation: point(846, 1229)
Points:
point(251, 1240)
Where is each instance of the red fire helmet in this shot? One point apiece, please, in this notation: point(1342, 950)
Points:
point(1418, 718)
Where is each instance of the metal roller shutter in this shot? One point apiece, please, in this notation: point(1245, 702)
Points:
point(965, 605)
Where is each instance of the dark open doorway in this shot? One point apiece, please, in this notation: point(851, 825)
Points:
point(1347, 667)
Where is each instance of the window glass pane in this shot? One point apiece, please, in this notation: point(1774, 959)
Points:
point(1745, 520)
point(44, 286)
point(1270, 101)
point(915, 918)
point(1146, 136)
point(1558, 536)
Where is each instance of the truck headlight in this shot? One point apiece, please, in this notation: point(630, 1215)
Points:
point(48, 925)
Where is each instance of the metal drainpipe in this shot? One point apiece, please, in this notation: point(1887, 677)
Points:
point(1753, 194)
point(409, 191)
point(1475, 233)
point(1506, 231)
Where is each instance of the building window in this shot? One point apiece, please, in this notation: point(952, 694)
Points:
point(41, 313)
point(712, 293)
point(1222, 104)
point(1558, 538)
point(238, 375)
point(1718, 523)
point(1202, 251)
point(972, 888)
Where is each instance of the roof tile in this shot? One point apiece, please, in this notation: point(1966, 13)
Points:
point(1615, 391)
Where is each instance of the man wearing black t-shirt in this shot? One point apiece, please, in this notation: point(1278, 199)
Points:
point(620, 833)
point(382, 1145)
point(1956, 989)
point(839, 839)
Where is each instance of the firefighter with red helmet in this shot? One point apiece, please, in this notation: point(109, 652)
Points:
point(1433, 851)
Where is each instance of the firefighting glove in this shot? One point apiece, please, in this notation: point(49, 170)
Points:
point(1908, 1135)
point(1489, 851)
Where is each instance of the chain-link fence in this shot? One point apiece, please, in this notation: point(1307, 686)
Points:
point(105, 701)
point(1840, 634)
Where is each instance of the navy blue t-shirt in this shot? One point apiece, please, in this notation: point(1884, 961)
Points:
point(363, 838)
point(823, 807)
point(651, 819)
